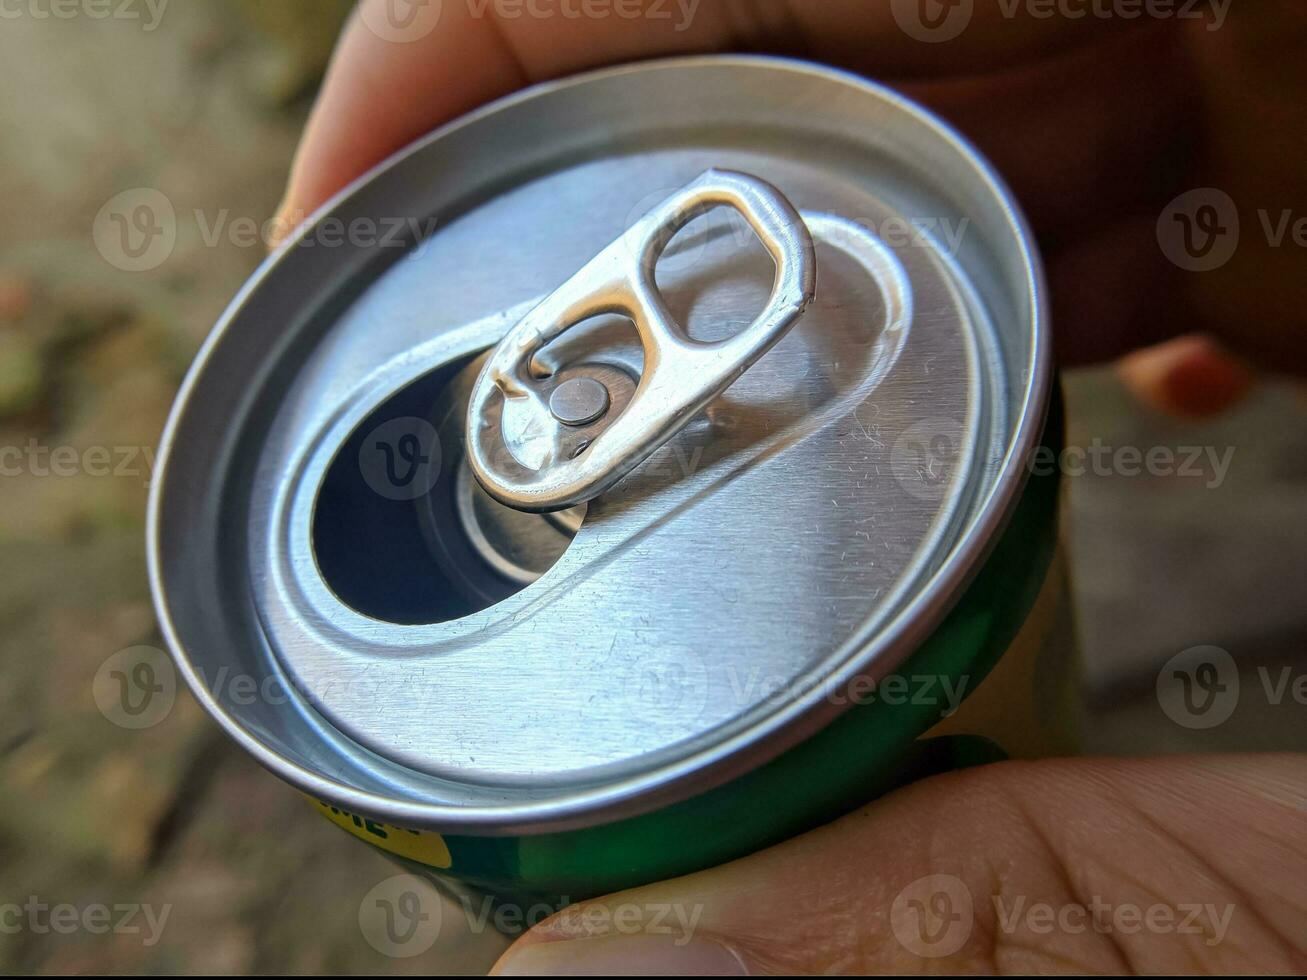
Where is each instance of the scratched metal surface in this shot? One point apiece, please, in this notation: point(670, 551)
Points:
point(784, 539)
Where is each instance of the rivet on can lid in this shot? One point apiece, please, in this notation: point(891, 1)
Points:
point(579, 401)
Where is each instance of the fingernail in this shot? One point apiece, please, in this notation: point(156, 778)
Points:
point(628, 956)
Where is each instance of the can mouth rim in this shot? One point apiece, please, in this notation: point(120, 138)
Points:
point(724, 760)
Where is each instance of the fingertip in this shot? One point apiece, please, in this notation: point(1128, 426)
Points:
point(637, 955)
point(279, 227)
point(1189, 377)
point(387, 85)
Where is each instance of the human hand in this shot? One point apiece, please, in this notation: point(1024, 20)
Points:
point(1113, 866)
point(1097, 125)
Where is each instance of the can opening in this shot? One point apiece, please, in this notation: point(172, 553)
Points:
point(403, 533)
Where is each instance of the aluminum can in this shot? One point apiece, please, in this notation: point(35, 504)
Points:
point(539, 678)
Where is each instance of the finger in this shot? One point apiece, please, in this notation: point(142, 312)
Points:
point(1190, 377)
point(1071, 135)
point(389, 84)
point(1256, 299)
point(1018, 867)
point(380, 94)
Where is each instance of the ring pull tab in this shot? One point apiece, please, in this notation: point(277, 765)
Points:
point(681, 375)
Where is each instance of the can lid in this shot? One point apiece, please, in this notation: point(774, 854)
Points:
point(442, 660)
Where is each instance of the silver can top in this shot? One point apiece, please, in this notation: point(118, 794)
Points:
point(446, 661)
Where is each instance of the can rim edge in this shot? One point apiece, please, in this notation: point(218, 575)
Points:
point(725, 760)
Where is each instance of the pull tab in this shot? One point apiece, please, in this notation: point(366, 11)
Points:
point(681, 375)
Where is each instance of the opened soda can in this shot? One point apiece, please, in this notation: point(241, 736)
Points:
point(650, 483)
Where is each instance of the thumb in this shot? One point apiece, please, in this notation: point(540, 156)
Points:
point(1018, 867)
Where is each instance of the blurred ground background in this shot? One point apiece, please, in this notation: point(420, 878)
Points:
point(206, 106)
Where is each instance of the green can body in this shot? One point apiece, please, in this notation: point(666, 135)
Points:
point(1006, 647)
